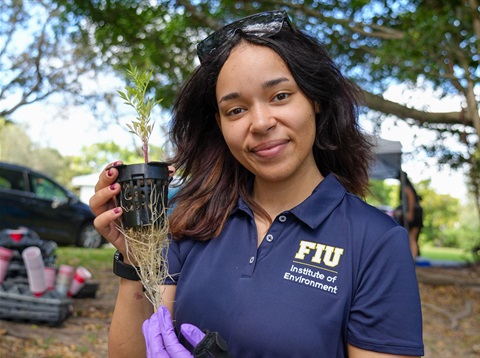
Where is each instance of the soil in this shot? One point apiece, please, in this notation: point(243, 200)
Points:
point(450, 303)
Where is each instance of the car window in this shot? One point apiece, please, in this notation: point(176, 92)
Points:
point(5, 184)
point(46, 189)
point(12, 179)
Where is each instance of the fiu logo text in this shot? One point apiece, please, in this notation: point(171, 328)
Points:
point(319, 253)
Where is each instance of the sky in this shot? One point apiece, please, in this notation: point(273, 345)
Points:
point(78, 128)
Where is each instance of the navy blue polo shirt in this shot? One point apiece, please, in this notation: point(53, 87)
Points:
point(330, 271)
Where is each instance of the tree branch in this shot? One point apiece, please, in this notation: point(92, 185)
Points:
point(200, 16)
point(381, 32)
point(378, 103)
point(476, 20)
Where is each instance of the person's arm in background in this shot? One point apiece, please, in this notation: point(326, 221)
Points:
point(410, 197)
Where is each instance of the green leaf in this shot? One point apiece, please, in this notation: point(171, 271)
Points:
point(135, 96)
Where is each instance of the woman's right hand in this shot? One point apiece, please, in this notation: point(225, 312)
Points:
point(103, 206)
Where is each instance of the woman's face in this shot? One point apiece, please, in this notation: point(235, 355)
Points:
point(266, 120)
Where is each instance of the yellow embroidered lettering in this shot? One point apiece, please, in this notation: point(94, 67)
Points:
point(330, 255)
point(327, 258)
point(305, 247)
point(317, 258)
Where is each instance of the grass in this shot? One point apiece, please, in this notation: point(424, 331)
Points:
point(102, 258)
point(90, 258)
point(446, 254)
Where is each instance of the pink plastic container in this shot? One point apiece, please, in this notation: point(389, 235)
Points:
point(5, 257)
point(32, 256)
point(64, 278)
point(79, 279)
point(50, 274)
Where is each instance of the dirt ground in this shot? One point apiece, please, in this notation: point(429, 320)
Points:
point(450, 302)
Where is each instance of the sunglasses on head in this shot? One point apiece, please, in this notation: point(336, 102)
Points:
point(264, 24)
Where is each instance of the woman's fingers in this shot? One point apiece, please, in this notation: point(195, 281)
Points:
point(108, 176)
point(103, 206)
point(104, 198)
point(106, 225)
point(105, 190)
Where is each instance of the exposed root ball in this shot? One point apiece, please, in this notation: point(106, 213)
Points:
point(147, 247)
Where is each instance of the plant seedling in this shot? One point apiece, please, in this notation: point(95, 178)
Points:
point(146, 244)
point(136, 96)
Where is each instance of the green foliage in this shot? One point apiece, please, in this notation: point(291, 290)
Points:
point(465, 236)
point(383, 193)
point(376, 43)
point(157, 36)
point(440, 214)
point(96, 156)
point(474, 179)
point(446, 222)
point(135, 96)
point(467, 233)
point(16, 147)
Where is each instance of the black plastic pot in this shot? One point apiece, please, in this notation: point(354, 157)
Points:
point(137, 182)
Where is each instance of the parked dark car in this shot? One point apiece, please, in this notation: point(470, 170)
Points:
point(31, 199)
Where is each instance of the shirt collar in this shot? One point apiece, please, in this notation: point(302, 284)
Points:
point(320, 204)
point(312, 211)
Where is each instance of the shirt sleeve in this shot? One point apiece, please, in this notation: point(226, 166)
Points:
point(176, 255)
point(386, 312)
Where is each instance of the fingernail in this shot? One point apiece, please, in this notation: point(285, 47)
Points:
point(109, 173)
point(112, 187)
point(116, 210)
point(114, 163)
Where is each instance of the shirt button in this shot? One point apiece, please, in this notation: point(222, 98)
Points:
point(269, 238)
point(252, 259)
point(282, 218)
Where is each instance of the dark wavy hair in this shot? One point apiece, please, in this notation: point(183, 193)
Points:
point(214, 180)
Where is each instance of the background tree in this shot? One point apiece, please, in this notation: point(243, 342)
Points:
point(40, 57)
point(440, 216)
point(383, 193)
point(466, 234)
point(417, 43)
point(96, 156)
point(378, 43)
point(17, 147)
point(444, 219)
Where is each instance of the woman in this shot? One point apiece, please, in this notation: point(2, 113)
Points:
point(272, 248)
point(413, 213)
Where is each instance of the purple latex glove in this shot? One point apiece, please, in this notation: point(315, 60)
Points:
point(161, 339)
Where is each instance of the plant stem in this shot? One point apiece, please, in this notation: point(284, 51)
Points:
point(145, 151)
